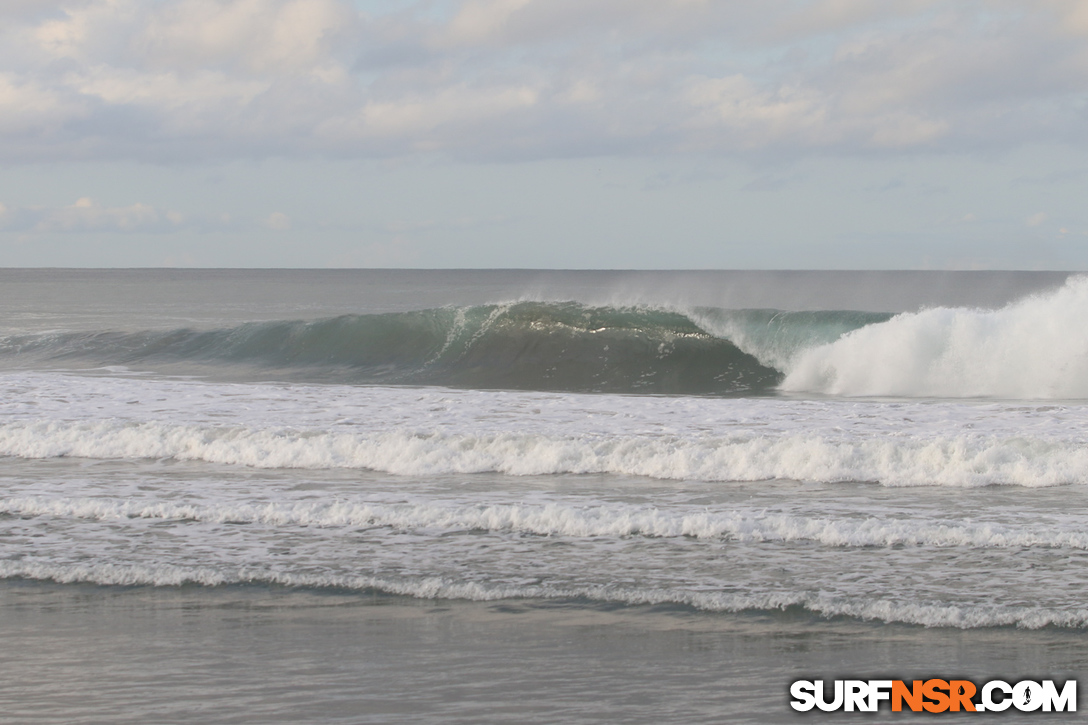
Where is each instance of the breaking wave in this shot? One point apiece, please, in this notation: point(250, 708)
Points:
point(963, 616)
point(519, 346)
point(967, 460)
point(1036, 348)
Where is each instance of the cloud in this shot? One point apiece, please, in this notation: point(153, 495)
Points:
point(213, 79)
point(480, 20)
point(258, 36)
point(1036, 219)
point(277, 221)
point(734, 105)
point(85, 215)
point(400, 226)
point(27, 106)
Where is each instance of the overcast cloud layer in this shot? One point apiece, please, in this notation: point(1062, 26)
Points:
point(544, 133)
point(532, 79)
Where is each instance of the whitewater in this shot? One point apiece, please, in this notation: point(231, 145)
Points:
point(742, 455)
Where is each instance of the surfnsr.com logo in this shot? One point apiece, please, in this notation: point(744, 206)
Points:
point(933, 695)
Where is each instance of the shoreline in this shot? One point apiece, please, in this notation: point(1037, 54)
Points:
point(89, 653)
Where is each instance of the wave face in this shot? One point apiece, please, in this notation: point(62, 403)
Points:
point(776, 338)
point(520, 346)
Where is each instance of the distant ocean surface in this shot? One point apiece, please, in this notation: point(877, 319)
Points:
point(515, 496)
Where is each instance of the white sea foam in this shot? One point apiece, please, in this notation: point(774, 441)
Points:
point(959, 460)
point(421, 431)
point(613, 520)
point(964, 616)
point(1035, 348)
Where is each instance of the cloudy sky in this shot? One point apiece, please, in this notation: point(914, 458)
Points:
point(545, 133)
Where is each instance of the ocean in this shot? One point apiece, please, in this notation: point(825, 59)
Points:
point(386, 496)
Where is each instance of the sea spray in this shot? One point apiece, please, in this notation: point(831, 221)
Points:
point(1034, 348)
